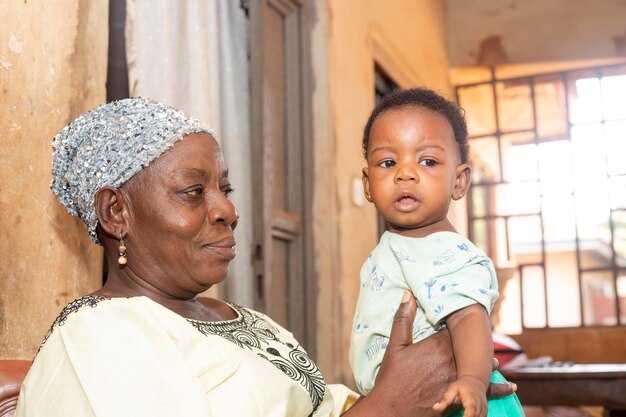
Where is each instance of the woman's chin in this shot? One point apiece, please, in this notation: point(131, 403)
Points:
point(206, 283)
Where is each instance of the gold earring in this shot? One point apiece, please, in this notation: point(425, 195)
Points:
point(122, 253)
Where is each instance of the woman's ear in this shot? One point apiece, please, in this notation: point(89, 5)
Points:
point(366, 184)
point(111, 208)
point(463, 177)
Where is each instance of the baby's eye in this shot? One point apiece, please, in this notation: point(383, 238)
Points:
point(428, 162)
point(387, 163)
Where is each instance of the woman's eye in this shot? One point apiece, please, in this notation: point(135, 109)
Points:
point(227, 191)
point(194, 192)
point(428, 162)
point(388, 163)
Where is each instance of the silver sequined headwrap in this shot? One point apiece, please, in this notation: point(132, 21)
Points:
point(110, 144)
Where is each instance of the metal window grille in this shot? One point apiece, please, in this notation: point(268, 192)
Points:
point(548, 192)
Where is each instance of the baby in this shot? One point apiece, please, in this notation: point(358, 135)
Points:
point(416, 147)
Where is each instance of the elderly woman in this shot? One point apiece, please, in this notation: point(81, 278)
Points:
point(152, 187)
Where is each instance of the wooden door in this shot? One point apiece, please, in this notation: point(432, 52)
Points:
point(280, 137)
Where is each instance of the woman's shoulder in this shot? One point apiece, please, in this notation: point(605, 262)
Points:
point(73, 307)
point(80, 303)
point(97, 311)
point(94, 303)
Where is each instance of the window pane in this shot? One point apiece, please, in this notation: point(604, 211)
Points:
point(621, 293)
point(550, 103)
point(555, 167)
point(517, 198)
point(490, 236)
point(598, 298)
point(595, 253)
point(617, 192)
point(619, 237)
point(482, 197)
point(559, 220)
point(515, 106)
point(534, 296)
point(595, 242)
point(478, 103)
point(525, 240)
point(590, 181)
point(616, 147)
point(508, 318)
point(585, 106)
point(589, 158)
point(614, 97)
point(520, 157)
point(563, 294)
point(480, 235)
point(485, 160)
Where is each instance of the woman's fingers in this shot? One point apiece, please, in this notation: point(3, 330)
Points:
point(402, 329)
point(499, 390)
point(412, 376)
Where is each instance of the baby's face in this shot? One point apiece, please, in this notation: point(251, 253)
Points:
point(413, 168)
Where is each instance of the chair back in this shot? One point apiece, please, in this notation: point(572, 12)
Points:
point(12, 373)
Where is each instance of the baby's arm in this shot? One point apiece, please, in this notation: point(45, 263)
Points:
point(473, 349)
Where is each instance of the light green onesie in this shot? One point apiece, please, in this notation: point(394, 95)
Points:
point(444, 271)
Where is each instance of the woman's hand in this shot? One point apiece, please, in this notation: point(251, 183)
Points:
point(414, 376)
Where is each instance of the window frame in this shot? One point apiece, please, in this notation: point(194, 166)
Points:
point(615, 270)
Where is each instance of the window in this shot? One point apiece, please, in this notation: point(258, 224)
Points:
point(548, 197)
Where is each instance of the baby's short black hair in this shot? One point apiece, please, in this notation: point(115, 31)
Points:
point(429, 99)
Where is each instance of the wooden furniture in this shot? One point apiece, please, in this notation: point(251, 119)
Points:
point(574, 385)
point(12, 373)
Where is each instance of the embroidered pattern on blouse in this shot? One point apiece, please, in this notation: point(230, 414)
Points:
point(72, 307)
point(253, 332)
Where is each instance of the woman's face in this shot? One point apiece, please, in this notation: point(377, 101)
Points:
point(180, 237)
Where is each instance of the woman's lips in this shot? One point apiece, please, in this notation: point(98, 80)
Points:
point(406, 204)
point(223, 249)
point(223, 252)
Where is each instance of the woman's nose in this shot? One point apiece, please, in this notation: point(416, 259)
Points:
point(223, 211)
point(407, 172)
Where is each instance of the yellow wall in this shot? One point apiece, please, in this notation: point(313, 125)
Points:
point(53, 59)
point(407, 38)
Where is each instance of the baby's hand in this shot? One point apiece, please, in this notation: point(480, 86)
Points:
point(470, 392)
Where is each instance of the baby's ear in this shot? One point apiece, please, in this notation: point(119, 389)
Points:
point(463, 179)
point(366, 184)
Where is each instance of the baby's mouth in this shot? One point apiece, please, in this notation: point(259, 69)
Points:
point(406, 203)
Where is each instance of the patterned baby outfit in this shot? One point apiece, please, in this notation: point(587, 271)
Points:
point(445, 272)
